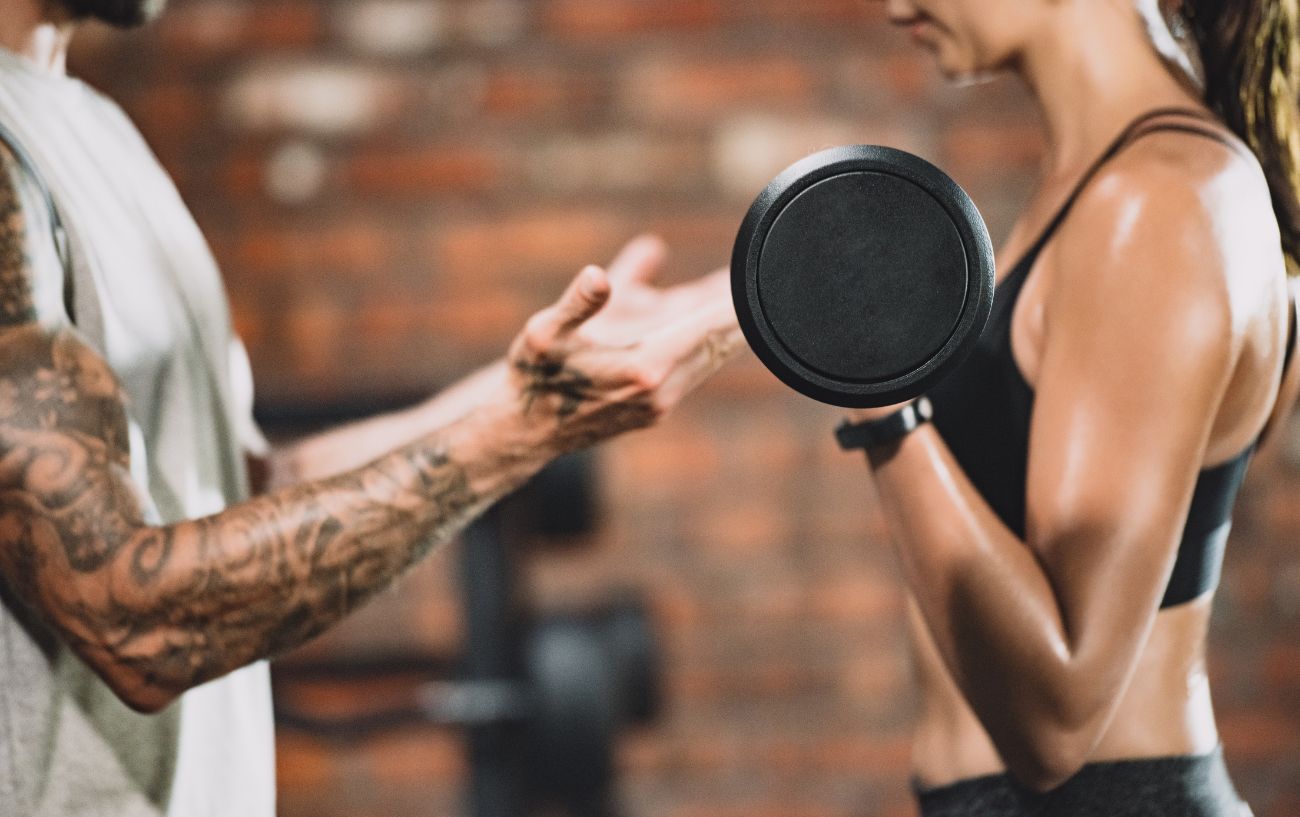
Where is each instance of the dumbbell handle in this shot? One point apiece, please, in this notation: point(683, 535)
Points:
point(466, 703)
point(445, 703)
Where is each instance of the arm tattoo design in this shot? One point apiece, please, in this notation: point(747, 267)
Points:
point(162, 608)
point(15, 295)
point(571, 386)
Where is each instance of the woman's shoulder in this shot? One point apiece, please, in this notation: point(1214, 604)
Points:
point(1175, 246)
point(1177, 208)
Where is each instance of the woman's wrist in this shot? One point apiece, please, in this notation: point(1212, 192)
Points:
point(879, 431)
point(867, 415)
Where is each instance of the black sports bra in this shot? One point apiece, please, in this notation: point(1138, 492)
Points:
point(983, 409)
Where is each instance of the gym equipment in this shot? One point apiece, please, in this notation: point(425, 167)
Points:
point(541, 697)
point(861, 275)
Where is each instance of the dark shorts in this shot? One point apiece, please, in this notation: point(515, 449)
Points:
point(1194, 786)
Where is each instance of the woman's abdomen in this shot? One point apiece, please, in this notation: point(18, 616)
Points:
point(1165, 710)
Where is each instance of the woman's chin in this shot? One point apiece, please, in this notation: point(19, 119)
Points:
point(961, 73)
point(966, 79)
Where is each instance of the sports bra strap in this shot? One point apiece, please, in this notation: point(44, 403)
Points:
point(1135, 130)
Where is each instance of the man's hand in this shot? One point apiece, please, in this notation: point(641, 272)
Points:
point(158, 609)
point(637, 307)
point(614, 354)
point(632, 317)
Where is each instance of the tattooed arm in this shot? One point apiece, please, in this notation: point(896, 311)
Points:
point(636, 307)
point(156, 610)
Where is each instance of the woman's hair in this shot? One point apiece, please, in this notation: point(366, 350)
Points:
point(1250, 51)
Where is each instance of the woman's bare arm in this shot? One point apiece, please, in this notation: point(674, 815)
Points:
point(1138, 347)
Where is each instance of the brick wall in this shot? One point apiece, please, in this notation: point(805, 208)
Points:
point(392, 186)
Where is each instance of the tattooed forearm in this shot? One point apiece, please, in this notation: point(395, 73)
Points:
point(158, 609)
point(170, 607)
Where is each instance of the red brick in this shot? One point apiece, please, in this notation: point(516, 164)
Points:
point(1282, 669)
point(538, 93)
point(351, 247)
point(745, 528)
point(673, 91)
point(313, 333)
point(601, 20)
point(243, 176)
point(214, 28)
point(858, 598)
point(706, 754)
point(416, 757)
point(1259, 735)
point(284, 24)
point(641, 753)
point(878, 679)
point(866, 754)
point(843, 16)
point(179, 112)
point(647, 468)
point(247, 320)
point(557, 244)
point(990, 147)
point(485, 321)
point(424, 172)
point(203, 28)
point(303, 764)
point(323, 97)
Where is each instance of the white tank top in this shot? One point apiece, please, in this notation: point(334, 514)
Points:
point(145, 293)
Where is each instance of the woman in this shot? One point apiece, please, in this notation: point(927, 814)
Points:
point(1060, 523)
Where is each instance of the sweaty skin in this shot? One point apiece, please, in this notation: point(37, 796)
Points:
point(156, 610)
point(1152, 330)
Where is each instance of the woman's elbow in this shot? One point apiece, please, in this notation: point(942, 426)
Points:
point(1045, 752)
point(1046, 766)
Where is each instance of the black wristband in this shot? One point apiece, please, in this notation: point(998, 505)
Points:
point(872, 434)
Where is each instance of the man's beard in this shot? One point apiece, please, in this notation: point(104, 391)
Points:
point(120, 13)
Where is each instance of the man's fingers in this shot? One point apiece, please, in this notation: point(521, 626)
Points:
point(584, 298)
point(639, 261)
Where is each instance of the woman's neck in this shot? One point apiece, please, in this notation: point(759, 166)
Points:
point(1092, 71)
point(37, 30)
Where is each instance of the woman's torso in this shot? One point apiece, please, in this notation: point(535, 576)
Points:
point(1166, 708)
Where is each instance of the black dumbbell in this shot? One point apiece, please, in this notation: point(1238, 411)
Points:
point(574, 715)
point(589, 676)
point(559, 505)
point(862, 275)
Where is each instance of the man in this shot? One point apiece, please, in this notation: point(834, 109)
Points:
point(142, 588)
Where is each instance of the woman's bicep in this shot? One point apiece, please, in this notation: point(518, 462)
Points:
point(1135, 360)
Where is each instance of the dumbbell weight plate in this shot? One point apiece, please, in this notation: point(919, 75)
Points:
point(632, 642)
point(575, 710)
point(861, 275)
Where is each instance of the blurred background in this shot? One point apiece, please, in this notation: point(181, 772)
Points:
point(393, 186)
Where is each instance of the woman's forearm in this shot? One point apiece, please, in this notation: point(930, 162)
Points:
point(991, 609)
